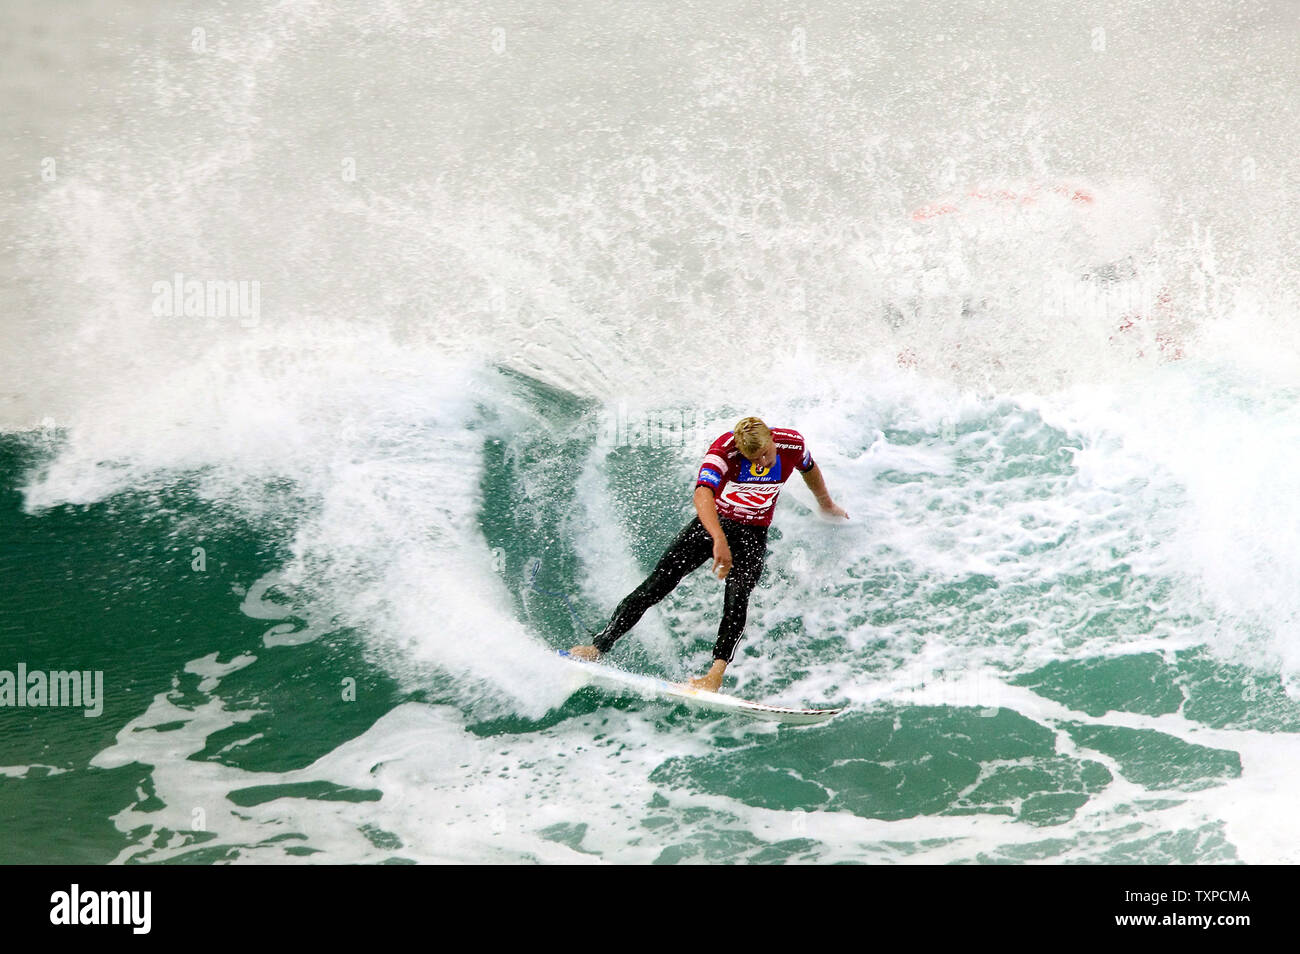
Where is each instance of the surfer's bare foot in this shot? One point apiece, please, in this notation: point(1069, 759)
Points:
point(711, 681)
point(589, 653)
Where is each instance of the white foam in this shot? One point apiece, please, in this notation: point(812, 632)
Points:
point(670, 271)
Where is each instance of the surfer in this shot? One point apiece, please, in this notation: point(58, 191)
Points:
point(735, 496)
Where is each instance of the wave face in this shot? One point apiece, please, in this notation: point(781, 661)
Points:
point(356, 359)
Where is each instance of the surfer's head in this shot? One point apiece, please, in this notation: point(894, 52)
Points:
point(754, 440)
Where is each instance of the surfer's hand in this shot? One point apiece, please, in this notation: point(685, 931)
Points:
point(589, 653)
point(832, 509)
point(721, 558)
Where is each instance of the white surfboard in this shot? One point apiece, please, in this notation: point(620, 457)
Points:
point(656, 688)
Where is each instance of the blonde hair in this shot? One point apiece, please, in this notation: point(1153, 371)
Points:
point(752, 436)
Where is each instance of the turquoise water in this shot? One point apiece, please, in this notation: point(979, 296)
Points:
point(1051, 703)
point(517, 269)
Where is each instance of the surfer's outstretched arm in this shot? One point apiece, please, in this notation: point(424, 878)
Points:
point(817, 484)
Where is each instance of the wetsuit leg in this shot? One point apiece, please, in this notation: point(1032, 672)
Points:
point(748, 551)
point(686, 553)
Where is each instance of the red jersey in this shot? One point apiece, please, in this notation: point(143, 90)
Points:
point(746, 493)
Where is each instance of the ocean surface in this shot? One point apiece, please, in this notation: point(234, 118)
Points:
point(356, 357)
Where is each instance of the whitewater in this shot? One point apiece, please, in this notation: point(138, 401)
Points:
point(1021, 274)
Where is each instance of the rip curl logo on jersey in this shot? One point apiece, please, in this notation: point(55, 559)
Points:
point(750, 471)
point(750, 496)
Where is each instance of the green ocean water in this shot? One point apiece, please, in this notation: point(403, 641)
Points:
point(114, 586)
point(1020, 276)
point(108, 588)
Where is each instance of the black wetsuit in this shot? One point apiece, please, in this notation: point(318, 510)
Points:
point(692, 547)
